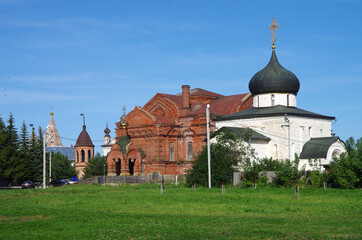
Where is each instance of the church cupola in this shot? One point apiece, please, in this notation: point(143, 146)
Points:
point(107, 137)
point(123, 122)
point(274, 85)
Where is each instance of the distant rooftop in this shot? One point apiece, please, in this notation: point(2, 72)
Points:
point(66, 151)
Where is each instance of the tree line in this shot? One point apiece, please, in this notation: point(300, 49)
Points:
point(21, 155)
point(230, 154)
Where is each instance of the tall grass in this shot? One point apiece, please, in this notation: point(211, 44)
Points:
point(141, 212)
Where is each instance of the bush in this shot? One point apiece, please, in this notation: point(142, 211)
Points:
point(315, 178)
point(288, 174)
point(226, 156)
point(345, 171)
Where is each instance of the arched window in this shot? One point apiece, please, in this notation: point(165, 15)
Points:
point(288, 100)
point(82, 153)
point(172, 151)
point(272, 100)
point(310, 131)
point(190, 151)
point(336, 153)
point(77, 156)
point(89, 154)
point(275, 152)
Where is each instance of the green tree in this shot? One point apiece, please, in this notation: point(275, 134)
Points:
point(2, 148)
point(35, 158)
point(227, 155)
point(252, 171)
point(62, 167)
point(345, 171)
point(288, 173)
point(95, 166)
point(11, 152)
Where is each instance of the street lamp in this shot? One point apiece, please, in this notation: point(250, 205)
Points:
point(208, 143)
point(44, 158)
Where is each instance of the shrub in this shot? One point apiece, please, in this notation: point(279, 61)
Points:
point(288, 174)
point(226, 156)
point(345, 171)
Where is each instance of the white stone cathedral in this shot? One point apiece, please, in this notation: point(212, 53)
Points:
point(279, 129)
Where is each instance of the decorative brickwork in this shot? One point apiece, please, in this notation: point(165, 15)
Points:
point(165, 134)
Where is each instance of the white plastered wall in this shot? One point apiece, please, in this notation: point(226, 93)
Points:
point(273, 99)
point(302, 129)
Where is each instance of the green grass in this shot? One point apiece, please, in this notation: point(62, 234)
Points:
point(141, 212)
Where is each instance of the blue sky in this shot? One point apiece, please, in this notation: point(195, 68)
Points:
point(92, 56)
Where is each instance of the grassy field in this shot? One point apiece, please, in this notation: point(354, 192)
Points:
point(141, 212)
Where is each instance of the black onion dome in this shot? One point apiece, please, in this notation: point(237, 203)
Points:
point(274, 79)
point(107, 131)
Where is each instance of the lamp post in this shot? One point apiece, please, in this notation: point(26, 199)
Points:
point(44, 161)
point(208, 143)
point(50, 167)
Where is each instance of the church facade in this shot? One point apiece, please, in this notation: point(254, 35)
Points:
point(281, 130)
point(167, 132)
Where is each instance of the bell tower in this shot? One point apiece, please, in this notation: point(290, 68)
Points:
point(84, 150)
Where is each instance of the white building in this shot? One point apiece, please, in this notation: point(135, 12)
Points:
point(280, 129)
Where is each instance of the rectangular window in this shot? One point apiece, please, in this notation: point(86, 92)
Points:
point(172, 151)
point(190, 151)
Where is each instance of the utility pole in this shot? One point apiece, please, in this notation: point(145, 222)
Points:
point(44, 161)
point(50, 166)
point(208, 143)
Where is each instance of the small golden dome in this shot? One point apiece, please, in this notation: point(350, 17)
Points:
point(123, 124)
point(51, 113)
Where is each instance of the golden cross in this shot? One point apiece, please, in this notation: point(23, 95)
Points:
point(273, 28)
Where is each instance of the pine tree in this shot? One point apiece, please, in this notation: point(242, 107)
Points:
point(62, 167)
point(34, 159)
point(24, 138)
point(96, 166)
point(23, 167)
point(11, 151)
point(2, 147)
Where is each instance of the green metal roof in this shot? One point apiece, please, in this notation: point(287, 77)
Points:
point(278, 110)
point(317, 147)
point(241, 132)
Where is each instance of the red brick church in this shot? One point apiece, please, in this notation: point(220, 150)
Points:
point(164, 135)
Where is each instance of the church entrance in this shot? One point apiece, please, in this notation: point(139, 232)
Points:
point(118, 167)
point(131, 166)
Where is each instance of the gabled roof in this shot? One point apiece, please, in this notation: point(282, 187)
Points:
point(317, 147)
point(228, 104)
point(273, 111)
point(173, 98)
point(219, 104)
point(241, 132)
point(201, 92)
